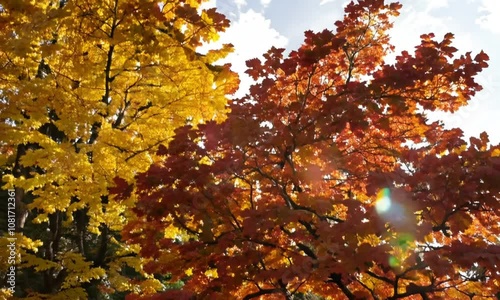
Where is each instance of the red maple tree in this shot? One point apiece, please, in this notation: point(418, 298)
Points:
point(327, 179)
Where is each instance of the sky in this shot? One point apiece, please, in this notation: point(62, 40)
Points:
point(257, 25)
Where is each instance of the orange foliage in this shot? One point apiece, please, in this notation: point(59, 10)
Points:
point(281, 198)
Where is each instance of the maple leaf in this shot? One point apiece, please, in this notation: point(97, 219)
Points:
point(91, 92)
point(330, 184)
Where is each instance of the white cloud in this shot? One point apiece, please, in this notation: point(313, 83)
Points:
point(405, 34)
point(208, 4)
point(240, 3)
point(251, 36)
point(323, 2)
point(265, 3)
point(491, 19)
point(435, 4)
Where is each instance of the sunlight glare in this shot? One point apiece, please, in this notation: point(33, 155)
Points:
point(383, 203)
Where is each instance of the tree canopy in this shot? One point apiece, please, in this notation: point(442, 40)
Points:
point(88, 91)
point(327, 178)
point(136, 177)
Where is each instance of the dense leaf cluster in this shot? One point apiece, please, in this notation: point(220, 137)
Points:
point(285, 196)
point(88, 91)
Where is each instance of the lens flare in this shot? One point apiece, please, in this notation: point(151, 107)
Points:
point(383, 203)
point(404, 240)
point(394, 262)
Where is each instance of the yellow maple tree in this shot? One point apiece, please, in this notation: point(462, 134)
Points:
point(88, 91)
